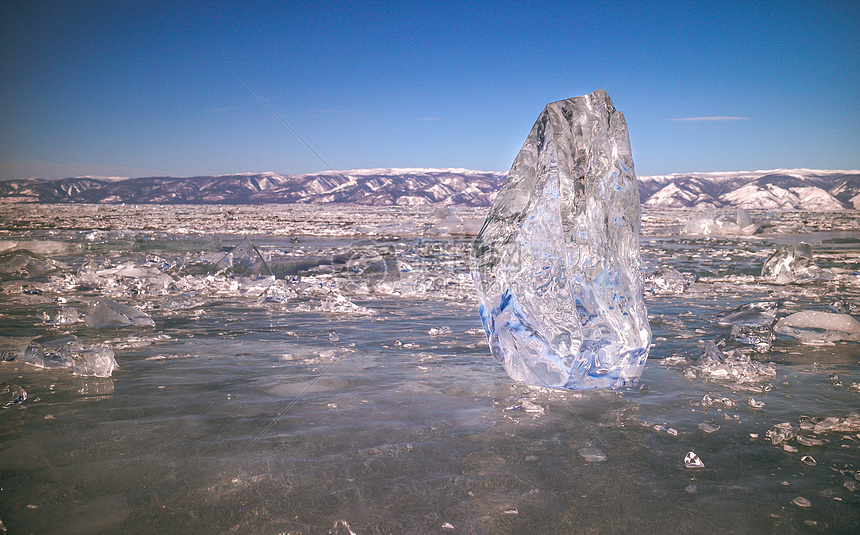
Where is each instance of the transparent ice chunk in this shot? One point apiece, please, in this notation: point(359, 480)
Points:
point(746, 225)
point(759, 336)
point(14, 394)
point(751, 323)
point(750, 314)
point(246, 270)
point(53, 352)
point(592, 455)
point(102, 314)
point(127, 279)
point(245, 260)
point(731, 365)
point(557, 265)
point(744, 219)
point(96, 362)
point(60, 315)
point(792, 263)
point(691, 460)
point(185, 301)
point(781, 433)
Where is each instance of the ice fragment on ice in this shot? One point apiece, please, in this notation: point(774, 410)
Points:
point(341, 528)
point(813, 326)
point(557, 265)
point(800, 501)
point(709, 427)
point(752, 402)
point(792, 263)
point(691, 460)
point(781, 433)
point(102, 314)
point(592, 455)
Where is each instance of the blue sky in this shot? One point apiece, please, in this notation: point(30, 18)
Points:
point(156, 88)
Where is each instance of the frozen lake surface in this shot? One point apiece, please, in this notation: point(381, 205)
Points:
point(333, 369)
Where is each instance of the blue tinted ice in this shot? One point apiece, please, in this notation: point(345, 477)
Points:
point(557, 265)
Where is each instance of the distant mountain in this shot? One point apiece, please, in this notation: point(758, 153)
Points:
point(377, 187)
point(781, 189)
point(794, 189)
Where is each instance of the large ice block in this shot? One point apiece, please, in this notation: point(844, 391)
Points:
point(557, 265)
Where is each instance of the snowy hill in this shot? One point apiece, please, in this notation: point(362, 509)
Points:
point(782, 189)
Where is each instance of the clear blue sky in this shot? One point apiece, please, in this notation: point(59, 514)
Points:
point(155, 88)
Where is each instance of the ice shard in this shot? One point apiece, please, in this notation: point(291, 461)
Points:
point(556, 264)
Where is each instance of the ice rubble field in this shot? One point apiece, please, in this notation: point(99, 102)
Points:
point(277, 369)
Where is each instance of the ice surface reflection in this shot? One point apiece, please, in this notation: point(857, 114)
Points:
point(351, 382)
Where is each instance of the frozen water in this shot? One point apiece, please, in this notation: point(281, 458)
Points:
point(408, 436)
point(96, 362)
point(813, 326)
point(104, 314)
point(557, 265)
point(792, 263)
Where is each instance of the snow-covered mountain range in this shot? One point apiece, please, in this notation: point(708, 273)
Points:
point(783, 189)
point(780, 189)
